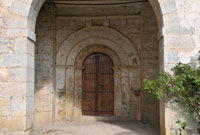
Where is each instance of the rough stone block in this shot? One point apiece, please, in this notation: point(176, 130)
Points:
point(17, 60)
point(24, 46)
point(60, 110)
point(171, 57)
point(5, 101)
point(42, 118)
point(16, 32)
point(5, 111)
point(60, 80)
point(13, 123)
point(69, 109)
point(14, 21)
point(169, 7)
point(30, 106)
point(19, 8)
point(43, 100)
point(16, 89)
point(18, 106)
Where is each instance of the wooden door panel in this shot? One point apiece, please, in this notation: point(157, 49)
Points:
point(106, 95)
point(89, 86)
point(98, 85)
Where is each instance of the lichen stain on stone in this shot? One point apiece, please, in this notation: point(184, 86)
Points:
point(4, 74)
point(70, 80)
point(78, 78)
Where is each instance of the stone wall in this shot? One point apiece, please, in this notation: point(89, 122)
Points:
point(179, 35)
point(141, 29)
point(16, 72)
point(150, 56)
point(44, 62)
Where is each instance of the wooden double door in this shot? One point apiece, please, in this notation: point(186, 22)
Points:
point(98, 85)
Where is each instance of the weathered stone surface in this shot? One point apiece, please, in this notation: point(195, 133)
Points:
point(4, 101)
point(16, 88)
point(44, 72)
point(178, 22)
point(13, 123)
point(78, 93)
point(20, 22)
point(17, 60)
point(69, 110)
point(60, 80)
point(74, 45)
point(19, 8)
point(118, 92)
point(43, 100)
point(43, 118)
point(125, 92)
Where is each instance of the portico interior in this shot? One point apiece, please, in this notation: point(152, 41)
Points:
point(70, 31)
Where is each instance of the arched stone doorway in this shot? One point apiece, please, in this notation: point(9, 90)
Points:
point(76, 111)
point(125, 49)
point(21, 31)
point(87, 41)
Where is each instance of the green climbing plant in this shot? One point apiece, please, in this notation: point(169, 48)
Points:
point(183, 86)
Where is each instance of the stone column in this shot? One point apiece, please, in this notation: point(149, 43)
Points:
point(17, 86)
point(135, 90)
point(173, 49)
point(70, 81)
point(78, 92)
point(60, 112)
point(117, 91)
point(125, 91)
point(161, 102)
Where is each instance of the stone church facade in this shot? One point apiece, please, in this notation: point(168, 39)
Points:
point(44, 45)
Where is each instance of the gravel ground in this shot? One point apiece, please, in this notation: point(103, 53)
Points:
point(97, 128)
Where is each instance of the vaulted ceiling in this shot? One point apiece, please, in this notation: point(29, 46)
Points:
point(97, 7)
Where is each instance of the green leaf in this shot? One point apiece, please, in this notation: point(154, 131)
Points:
point(184, 85)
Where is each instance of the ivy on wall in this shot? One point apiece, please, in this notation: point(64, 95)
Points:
point(183, 86)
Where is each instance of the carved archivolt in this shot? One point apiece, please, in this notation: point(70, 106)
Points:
point(91, 36)
point(97, 48)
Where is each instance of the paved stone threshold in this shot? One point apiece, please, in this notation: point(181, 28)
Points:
point(97, 128)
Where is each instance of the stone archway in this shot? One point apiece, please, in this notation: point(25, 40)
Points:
point(97, 48)
point(97, 35)
point(75, 72)
point(21, 31)
point(77, 47)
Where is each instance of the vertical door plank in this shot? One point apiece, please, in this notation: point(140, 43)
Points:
point(89, 86)
point(106, 94)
